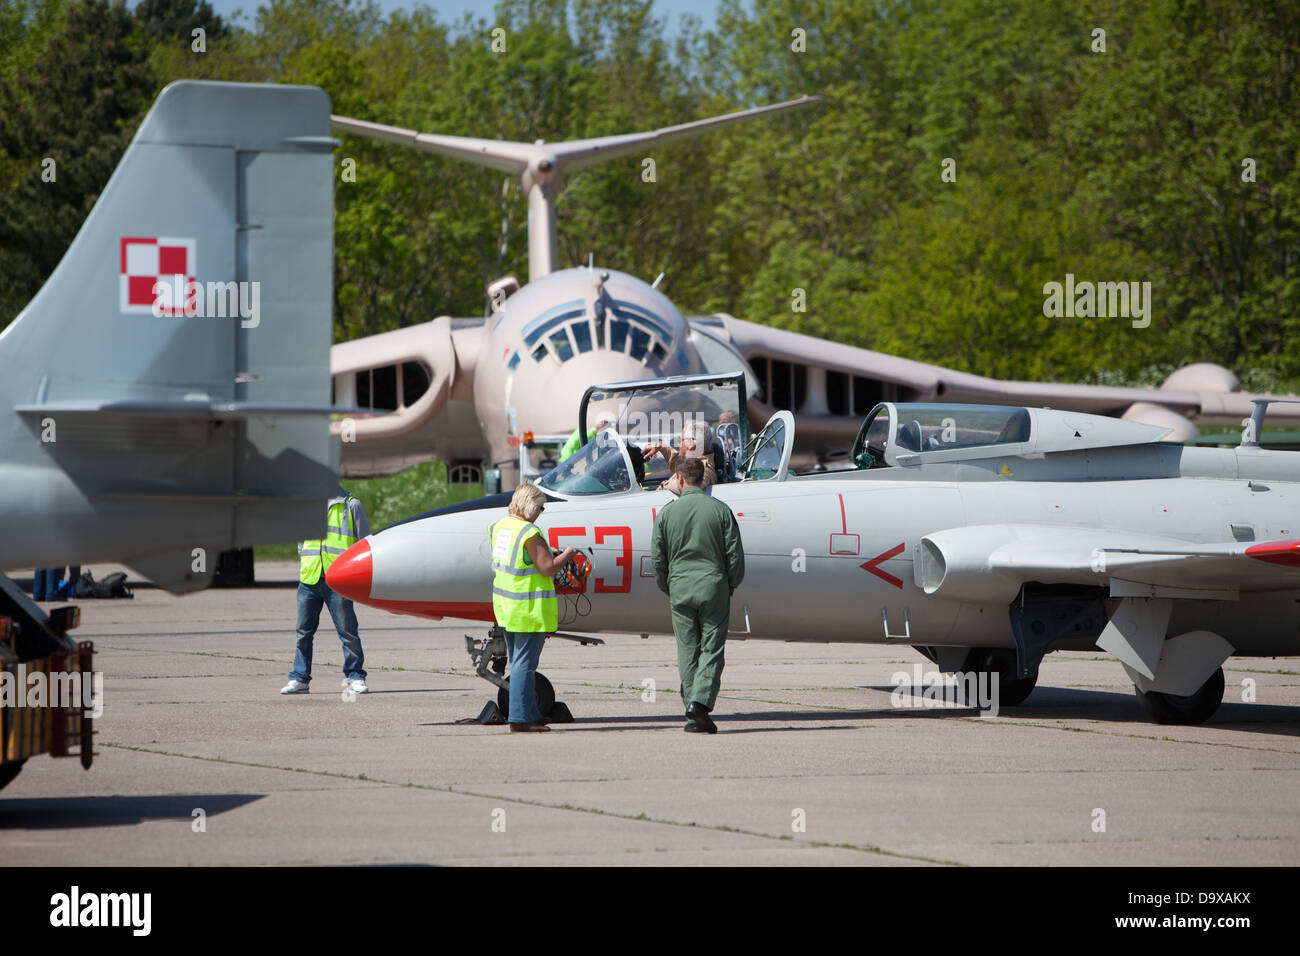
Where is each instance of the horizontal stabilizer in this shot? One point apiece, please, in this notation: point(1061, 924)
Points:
point(191, 409)
point(564, 157)
point(542, 166)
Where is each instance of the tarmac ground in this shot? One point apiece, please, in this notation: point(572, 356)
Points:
point(200, 761)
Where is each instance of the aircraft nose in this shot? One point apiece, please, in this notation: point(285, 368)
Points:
point(350, 573)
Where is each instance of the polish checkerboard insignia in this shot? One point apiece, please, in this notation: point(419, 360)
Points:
point(146, 261)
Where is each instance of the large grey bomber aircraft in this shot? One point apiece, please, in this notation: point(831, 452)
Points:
point(983, 536)
point(469, 391)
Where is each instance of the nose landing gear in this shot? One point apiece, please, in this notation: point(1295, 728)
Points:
point(489, 657)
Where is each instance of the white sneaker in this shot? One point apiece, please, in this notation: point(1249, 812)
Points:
point(356, 686)
point(295, 687)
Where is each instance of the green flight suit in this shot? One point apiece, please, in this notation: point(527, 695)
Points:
point(699, 561)
point(574, 442)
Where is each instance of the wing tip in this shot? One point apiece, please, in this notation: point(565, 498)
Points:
point(1276, 552)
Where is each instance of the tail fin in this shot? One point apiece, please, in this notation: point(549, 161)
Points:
point(169, 383)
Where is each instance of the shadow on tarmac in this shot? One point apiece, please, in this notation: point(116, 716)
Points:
point(1046, 703)
point(1059, 703)
point(57, 813)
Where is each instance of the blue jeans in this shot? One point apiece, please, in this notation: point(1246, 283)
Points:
point(45, 585)
point(525, 650)
point(310, 599)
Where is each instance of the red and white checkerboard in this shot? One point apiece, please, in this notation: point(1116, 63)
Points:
point(146, 261)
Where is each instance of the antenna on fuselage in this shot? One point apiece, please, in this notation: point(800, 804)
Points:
point(1253, 430)
point(542, 167)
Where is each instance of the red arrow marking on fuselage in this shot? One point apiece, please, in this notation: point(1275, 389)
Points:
point(884, 575)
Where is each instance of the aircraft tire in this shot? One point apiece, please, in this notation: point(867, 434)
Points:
point(1001, 665)
point(542, 689)
point(1195, 709)
point(9, 771)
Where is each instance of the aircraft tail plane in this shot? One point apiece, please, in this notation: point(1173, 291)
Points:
point(542, 167)
point(167, 391)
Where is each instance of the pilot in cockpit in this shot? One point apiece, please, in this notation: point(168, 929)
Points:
point(697, 442)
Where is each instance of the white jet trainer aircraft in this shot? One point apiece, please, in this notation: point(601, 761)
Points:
point(984, 536)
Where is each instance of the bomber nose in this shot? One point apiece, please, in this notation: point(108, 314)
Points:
point(350, 573)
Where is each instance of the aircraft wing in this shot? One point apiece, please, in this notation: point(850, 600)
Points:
point(990, 563)
point(831, 387)
point(419, 384)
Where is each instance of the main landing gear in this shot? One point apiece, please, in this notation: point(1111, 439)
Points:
point(1163, 708)
point(488, 655)
point(1195, 708)
point(999, 663)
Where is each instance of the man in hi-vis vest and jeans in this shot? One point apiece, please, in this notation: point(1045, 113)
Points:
point(345, 525)
point(523, 598)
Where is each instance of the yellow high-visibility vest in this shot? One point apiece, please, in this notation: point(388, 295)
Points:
point(316, 556)
point(523, 598)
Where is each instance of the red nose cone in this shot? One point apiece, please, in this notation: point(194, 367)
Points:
point(349, 575)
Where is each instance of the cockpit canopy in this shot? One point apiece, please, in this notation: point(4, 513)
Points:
point(600, 467)
point(903, 434)
point(661, 410)
point(622, 420)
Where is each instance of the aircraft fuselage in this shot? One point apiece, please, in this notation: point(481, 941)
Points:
point(833, 557)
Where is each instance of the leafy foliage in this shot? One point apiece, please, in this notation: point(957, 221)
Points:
point(1114, 164)
point(395, 498)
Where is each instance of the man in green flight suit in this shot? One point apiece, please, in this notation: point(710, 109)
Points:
point(699, 562)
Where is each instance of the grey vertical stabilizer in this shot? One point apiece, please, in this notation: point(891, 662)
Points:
point(165, 394)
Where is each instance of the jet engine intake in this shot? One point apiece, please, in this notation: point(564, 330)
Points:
point(954, 564)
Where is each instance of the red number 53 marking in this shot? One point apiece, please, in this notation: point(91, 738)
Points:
point(602, 532)
point(623, 561)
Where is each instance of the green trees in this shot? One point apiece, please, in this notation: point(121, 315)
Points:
point(969, 152)
point(70, 96)
point(1188, 145)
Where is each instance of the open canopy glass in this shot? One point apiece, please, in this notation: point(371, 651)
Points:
point(659, 410)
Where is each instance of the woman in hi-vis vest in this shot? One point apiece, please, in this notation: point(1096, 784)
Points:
point(523, 598)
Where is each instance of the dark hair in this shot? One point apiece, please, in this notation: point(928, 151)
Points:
point(691, 470)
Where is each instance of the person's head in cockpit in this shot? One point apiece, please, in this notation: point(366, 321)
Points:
point(697, 441)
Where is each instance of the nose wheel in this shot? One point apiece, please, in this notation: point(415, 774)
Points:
point(543, 692)
point(489, 657)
